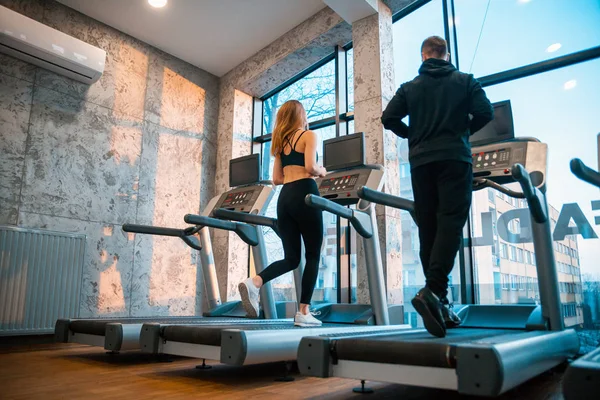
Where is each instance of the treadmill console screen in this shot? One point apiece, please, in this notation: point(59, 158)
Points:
point(237, 199)
point(338, 184)
point(244, 170)
point(501, 128)
point(344, 152)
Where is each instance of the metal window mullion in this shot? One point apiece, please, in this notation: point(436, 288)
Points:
point(468, 290)
point(341, 91)
point(450, 31)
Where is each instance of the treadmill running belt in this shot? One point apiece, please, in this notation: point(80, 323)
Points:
point(411, 348)
point(98, 326)
point(211, 335)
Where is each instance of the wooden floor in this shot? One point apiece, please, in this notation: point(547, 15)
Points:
point(68, 371)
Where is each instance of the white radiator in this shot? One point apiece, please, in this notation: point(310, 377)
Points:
point(40, 279)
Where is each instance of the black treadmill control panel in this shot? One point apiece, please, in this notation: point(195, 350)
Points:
point(235, 199)
point(242, 199)
point(494, 159)
point(338, 184)
point(342, 186)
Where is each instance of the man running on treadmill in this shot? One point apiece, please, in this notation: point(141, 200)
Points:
point(445, 107)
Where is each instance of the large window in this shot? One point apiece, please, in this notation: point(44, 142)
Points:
point(317, 92)
point(497, 35)
point(486, 37)
point(570, 93)
point(409, 33)
point(555, 105)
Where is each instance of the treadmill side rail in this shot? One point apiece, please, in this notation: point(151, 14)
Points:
point(411, 375)
point(259, 346)
point(492, 367)
point(314, 357)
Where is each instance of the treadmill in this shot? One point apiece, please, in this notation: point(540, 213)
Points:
point(248, 194)
point(582, 377)
point(497, 347)
point(255, 344)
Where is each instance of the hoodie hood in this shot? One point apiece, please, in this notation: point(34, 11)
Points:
point(436, 67)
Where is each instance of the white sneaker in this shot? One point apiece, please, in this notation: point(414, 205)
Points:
point(306, 320)
point(249, 293)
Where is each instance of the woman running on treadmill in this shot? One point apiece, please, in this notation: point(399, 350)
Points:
point(295, 151)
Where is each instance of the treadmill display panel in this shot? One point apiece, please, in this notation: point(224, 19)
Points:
point(501, 128)
point(237, 199)
point(244, 170)
point(344, 152)
point(491, 159)
point(338, 184)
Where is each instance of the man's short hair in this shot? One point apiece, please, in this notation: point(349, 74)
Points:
point(434, 46)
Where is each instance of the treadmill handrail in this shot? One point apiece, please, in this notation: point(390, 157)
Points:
point(482, 183)
point(585, 173)
point(187, 235)
point(246, 232)
point(359, 220)
point(386, 199)
point(247, 218)
point(532, 193)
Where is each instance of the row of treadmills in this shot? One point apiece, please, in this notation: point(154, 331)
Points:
point(496, 348)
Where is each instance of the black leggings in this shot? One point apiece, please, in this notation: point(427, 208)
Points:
point(296, 219)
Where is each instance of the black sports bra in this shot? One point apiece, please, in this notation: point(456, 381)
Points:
point(295, 157)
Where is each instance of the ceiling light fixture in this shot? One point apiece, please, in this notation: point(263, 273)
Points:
point(157, 3)
point(553, 47)
point(570, 84)
point(524, 1)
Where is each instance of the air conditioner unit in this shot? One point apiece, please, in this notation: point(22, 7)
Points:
point(38, 44)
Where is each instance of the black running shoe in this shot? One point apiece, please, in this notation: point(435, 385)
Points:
point(450, 318)
point(429, 307)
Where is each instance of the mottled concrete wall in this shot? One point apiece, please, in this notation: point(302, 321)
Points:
point(373, 89)
point(138, 146)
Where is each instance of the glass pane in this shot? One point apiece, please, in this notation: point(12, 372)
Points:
point(326, 288)
point(409, 33)
point(569, 93)
point(497, 35)
point(316, 92)
point(352, 260)
point(350, 78)
point(351, 127)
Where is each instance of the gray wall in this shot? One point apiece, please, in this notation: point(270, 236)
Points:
point(138, 146)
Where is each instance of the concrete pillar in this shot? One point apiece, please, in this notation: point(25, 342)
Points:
point(373, 89)
point(234, 140)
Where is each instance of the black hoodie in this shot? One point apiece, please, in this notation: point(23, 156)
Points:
point(444, 106)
